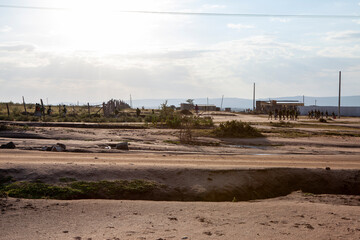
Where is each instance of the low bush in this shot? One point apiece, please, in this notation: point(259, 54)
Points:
point(236, 129)
point(282, 124)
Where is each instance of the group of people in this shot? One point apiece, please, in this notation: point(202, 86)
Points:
point(284, 114)
point(40, 110)
point(317, 114)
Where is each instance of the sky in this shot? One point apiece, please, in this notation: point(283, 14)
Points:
point(92, 51)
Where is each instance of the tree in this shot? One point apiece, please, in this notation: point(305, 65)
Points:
point(190, 101)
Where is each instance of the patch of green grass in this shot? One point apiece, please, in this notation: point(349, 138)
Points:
point(67, 179)
point(287, 133)
point(78, 190)
point(172, 141)
point(308, 194)
point(282, 124)
point(37, 190)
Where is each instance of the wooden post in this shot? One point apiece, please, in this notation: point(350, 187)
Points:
point(339, 104)
point(8, 110)
point(104, 109)
point(89, 109)
point(59, 110)
point(24, 105)
point(254, 98)
point(42, 109)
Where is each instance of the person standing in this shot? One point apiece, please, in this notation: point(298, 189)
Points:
point(196, 109)
point(49, 111)
point(64, 111)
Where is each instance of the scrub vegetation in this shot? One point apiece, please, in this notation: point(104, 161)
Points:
point(121, 189)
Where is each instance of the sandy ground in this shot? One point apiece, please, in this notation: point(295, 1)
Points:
point(153, 156)
point(297, 216)
point(218, 161)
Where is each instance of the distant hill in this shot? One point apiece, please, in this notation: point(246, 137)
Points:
point(241, 103)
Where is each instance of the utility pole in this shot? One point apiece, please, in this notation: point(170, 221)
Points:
point(339, 93)
point(254, 99)
point(24, 105)
point(207, 104)
point(222, 100)
point(130, 102)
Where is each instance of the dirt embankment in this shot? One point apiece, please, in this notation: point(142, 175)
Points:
point(199, 184)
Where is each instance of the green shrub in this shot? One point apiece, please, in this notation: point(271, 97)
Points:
point(39, 190)
point(236, 129)
point(76, 189)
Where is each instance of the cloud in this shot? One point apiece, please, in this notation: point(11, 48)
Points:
point(280, 19)
point(344, 35)
point(228, 67)
point(5, 29)
point(340, 52)
point(356, 21)
point(17, 47)
point(239, 26)
point(213, 6)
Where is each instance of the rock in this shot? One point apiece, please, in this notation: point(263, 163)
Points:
point(122, 146)
point(9, 145)
point(61, 145)
point(327, 168)
point(46, 148)
point(57, 148)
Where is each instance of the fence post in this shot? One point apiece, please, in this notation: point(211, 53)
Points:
point(8, 111)
point(24, 105)
point(89, 109)
point(42, 109)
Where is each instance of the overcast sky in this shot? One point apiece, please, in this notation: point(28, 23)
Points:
point(92, 52)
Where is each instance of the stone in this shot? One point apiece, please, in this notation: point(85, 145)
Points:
point(9, 145)
point(122, 146)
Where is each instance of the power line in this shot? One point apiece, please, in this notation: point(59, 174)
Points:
point(254, 15)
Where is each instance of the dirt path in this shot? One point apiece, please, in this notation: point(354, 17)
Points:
point(183, 160)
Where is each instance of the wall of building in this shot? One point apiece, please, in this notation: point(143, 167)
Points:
point(207, 107)
point(345, 111)
point(186, 106)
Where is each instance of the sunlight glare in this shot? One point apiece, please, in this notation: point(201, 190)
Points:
point(101, 26)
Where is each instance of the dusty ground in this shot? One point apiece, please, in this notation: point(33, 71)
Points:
point(306, 148)
point(297, 216)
